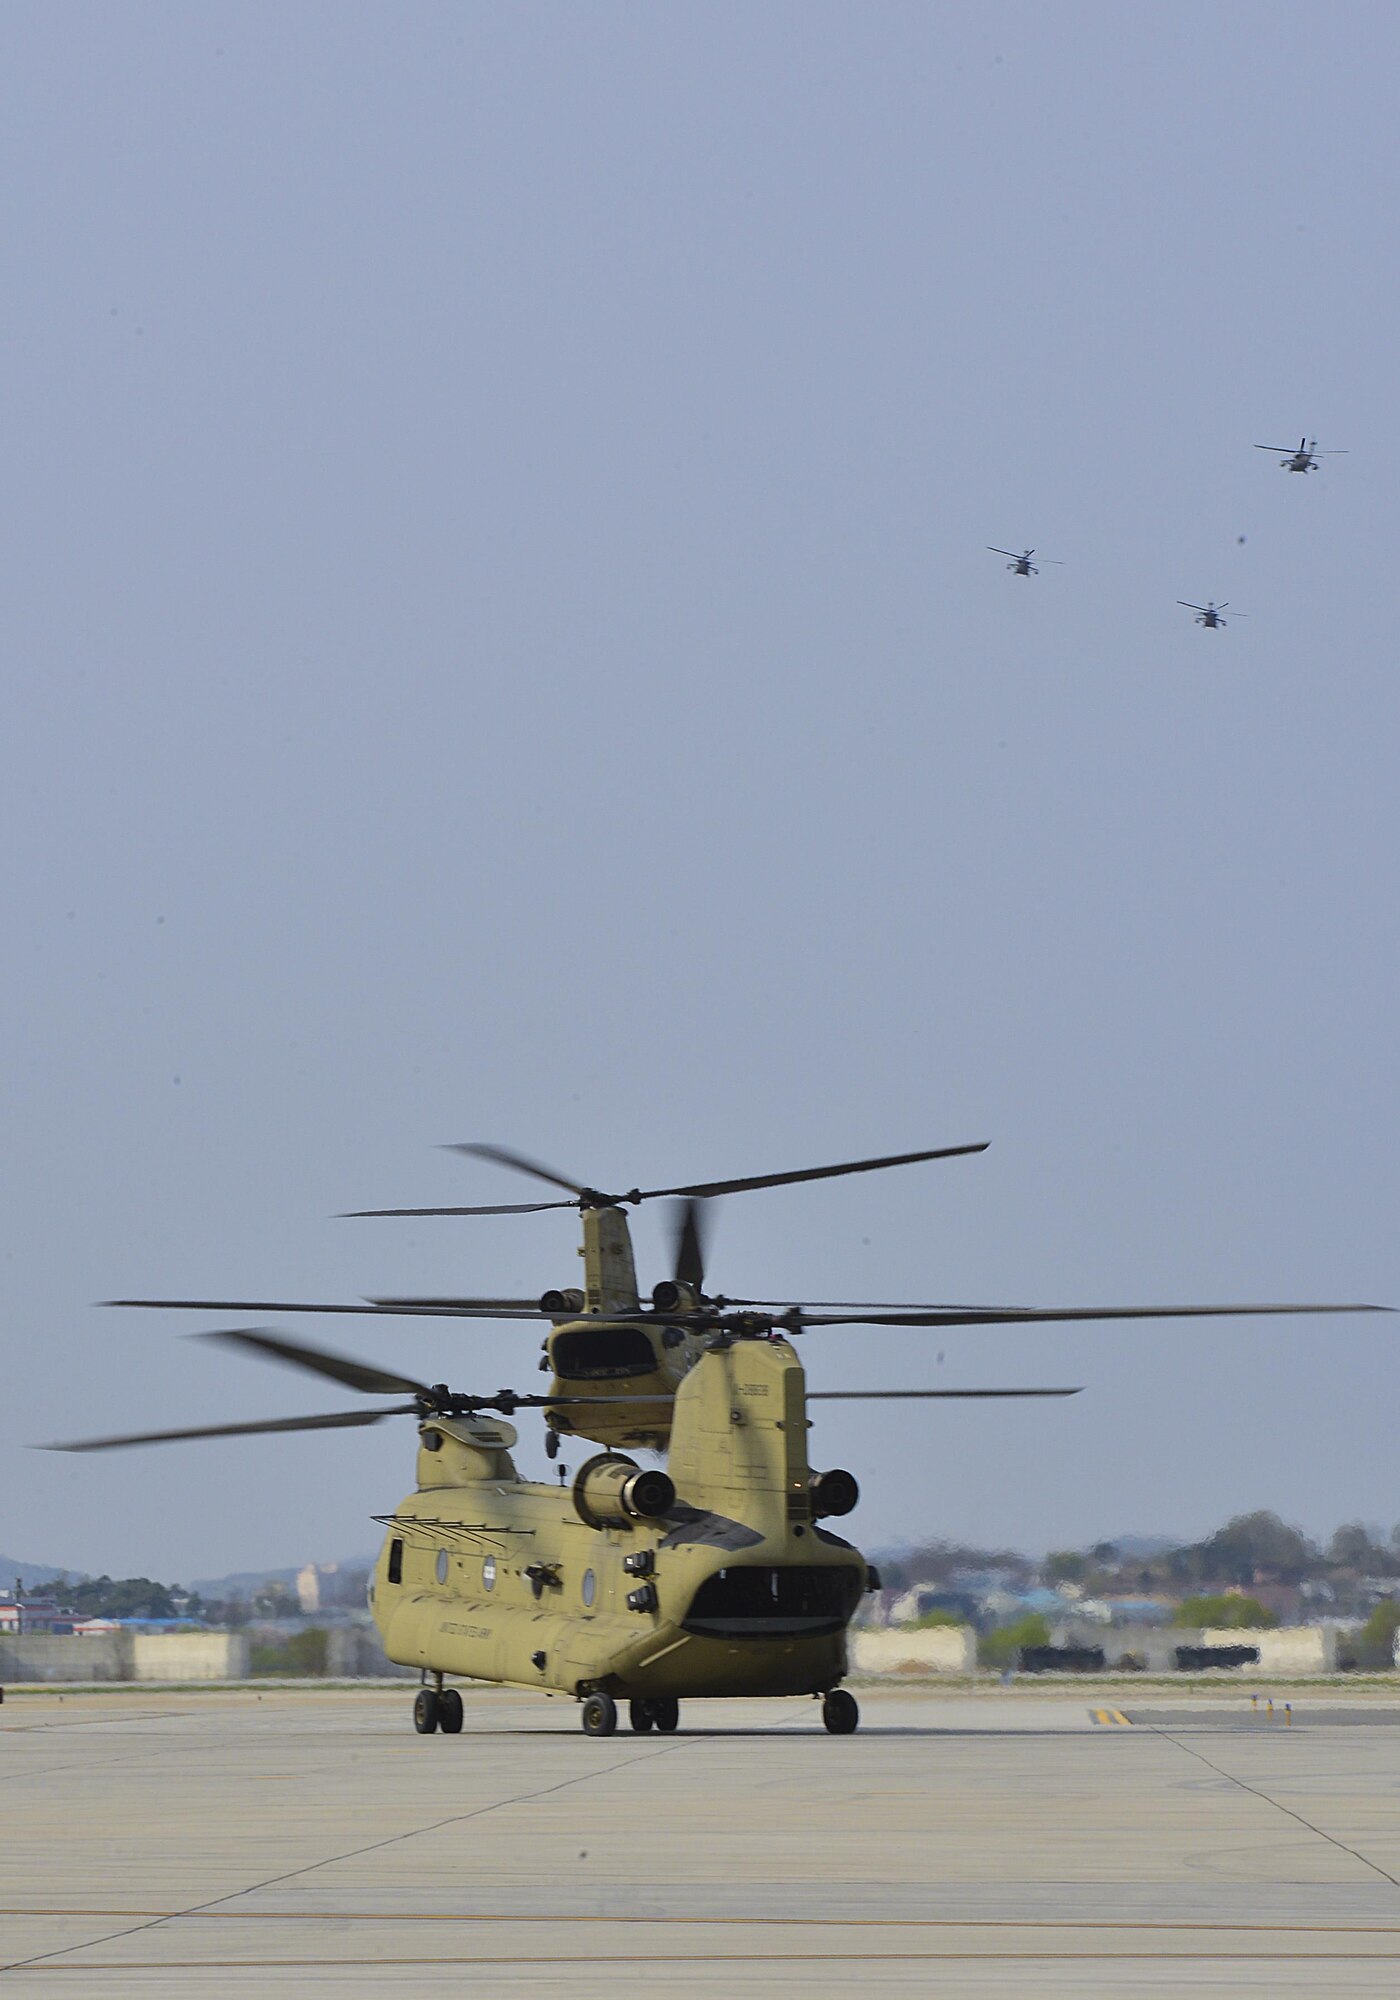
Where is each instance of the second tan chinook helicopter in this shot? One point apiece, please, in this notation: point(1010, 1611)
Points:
point(711, 1578)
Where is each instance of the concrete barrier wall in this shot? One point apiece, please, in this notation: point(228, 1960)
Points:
point(1290, 1649)
point(942, 1649)
point(125, 1656)
point(43, 1656)
point(188, 1656)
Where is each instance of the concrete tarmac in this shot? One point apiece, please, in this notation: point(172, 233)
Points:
point(238, 1842)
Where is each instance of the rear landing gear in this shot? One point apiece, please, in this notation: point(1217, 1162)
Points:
point(449, 1712)
point(662, 1712)
point(425, 1711)
point(840, 1712)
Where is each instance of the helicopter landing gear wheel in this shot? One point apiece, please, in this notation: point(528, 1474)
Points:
point(425, 1711)
point(665, 1714)
point(449, 1712)
point(840, 1712)
point(599, 1715)
point(640, 1716)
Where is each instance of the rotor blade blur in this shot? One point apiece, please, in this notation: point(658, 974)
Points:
point(490, 1208)
point(706, 1188)
point(1035, 1315)
point(502, 1156)
point(896, 1395)
point(341, 1420)
point(340, 1368)
point(1005, 552)
point(688, 1262)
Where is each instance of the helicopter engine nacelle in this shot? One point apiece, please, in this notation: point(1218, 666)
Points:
point(673, 1296)
point(612, 1491)
point(833, 1492)
point(570, 1301)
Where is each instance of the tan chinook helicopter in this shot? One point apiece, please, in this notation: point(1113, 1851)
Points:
point(711, 1578)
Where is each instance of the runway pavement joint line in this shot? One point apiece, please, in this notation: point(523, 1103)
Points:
point(39, 1959)
point(1278, 1806)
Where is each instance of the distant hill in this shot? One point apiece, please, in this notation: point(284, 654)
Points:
point(35, 1575)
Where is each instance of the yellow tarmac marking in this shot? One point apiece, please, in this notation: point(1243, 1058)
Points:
point(1106, 1716)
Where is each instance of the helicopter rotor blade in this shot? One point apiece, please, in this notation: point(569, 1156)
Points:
point(491, 1208)
point(456, 1308)
point(704, 1189)
point(595, 1198)
point(902, 1395)
point(361, 1375)
point(688, 1261)
point(847, 1305)
point(385, 1308)
point(799, 1320)
point(340, 1420)
point(1192, 607)
point(502, 1156)
point(1003, 552)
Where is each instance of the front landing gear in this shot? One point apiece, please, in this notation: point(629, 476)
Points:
point(437, 1708)
point(840, 1712)
point(599, 1715)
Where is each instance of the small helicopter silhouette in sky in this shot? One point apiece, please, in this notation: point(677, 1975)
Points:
point(1209, 614)
point(1021, 565)
point(1307, 458)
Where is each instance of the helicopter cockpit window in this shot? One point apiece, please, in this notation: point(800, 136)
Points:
point(488, 1573)
point(396, 1561)
point(589, 1588)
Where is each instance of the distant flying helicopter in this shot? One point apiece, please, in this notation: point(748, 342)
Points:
point(1209, 614)
point(1021, 565)
point(1305, 459)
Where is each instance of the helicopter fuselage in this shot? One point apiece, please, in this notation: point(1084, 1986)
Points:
point(598, 1347)
point(731, 1588)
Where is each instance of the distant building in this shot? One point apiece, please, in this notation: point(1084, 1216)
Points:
point(32, 1614)
point(331, 1586)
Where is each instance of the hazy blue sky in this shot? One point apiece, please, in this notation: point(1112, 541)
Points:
point(499, 644)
